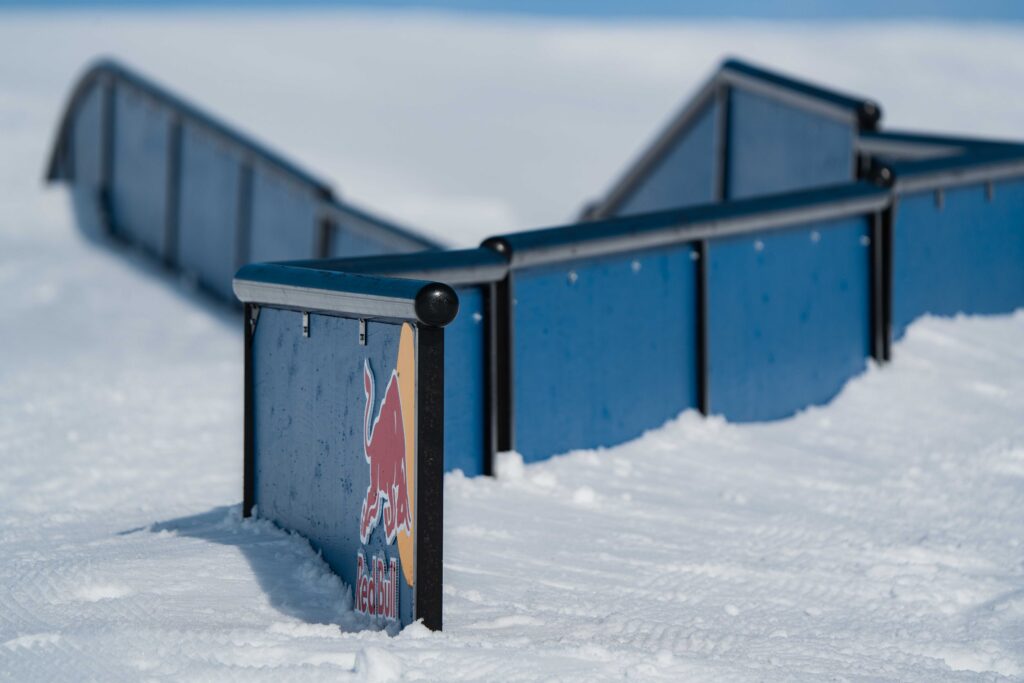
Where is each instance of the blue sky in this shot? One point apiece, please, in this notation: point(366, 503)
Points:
point(768, 9)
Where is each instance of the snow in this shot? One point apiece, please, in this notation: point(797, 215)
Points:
point(878, 537)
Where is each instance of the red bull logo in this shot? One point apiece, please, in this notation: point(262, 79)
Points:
point(376, 591)
point(390, 450)
point(387, 496)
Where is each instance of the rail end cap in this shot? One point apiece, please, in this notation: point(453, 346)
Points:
point(881, 175)
point(869, 114)
point(498, 244)
point(437, 304)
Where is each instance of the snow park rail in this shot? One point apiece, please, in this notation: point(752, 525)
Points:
point(752, 262)
point(150, 169)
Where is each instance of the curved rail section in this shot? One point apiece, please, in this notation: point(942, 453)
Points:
point(150, 169)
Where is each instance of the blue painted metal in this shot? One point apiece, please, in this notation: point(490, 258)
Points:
point(690, 223)
point(867, 111)
point(464, 386)
point(965, 256)
point(139, 191)
point(788, 317)
point(290, 275)
point(747, 132)
point(85, 163)
point(685, 175)
point(465, 446)
point(604, 349)
point(310, 472)
point(776, 147)
point(202, 233)
point(284, 218)
point(210, 176)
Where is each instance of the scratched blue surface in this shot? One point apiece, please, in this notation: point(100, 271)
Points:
point(775, 147)
point(355, 237)
point(311, 472)
point(208, 214)
point(284, 220)
point(684, 176)
point(788, 318)
point(464, 446)
point(966, 256)
point(604, 350)
point(139, 190)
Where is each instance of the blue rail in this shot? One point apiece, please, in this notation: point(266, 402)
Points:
point(586, 335)
point(746, 132)
point(149, 168)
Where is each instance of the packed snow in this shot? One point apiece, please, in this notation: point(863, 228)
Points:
point(878, 537)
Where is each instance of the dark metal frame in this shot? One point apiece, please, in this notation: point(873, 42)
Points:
point(429, 306)
point(111, 76)
point(862, 114)
point(429, 509)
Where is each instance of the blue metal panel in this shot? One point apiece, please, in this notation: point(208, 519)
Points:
point(965, 257)
point(347, 243)
point(87, 140)
point(139, 192)
point(311, 475)
point(788, 318)
point(207, 234)
point(464, 417)
point(283, 218)
point(604, 350)
point(775, 147)
point(686, 174)
point(87, 158)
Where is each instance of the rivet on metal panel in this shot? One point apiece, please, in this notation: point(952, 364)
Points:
point(573, 277)
point(990, 191)
point(695, 255)
point(940, 199)
point(815, 236)
point(362, 332)
point(305, 324)
point(758, 245)
point(865, 241)
point(636, 266)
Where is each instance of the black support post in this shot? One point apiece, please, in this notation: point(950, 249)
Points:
point(723, 101)
point(324, 234)
point(104, 190)
point(249, 452)
point(703, 384)
point(887, 222)
point(243, 229)
point(505, 328)
point(429, 506)
point(490, 378)
point(173, 193)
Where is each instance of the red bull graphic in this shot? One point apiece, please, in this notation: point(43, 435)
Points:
point(376, 590)
point(387, 496)
point(390, 451)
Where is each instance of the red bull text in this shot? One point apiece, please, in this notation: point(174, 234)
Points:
point(376, 590)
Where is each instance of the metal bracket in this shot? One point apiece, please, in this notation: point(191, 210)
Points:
point(254, 316)
point(305, 324)
point(362, 332)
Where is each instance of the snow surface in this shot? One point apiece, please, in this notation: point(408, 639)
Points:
point(876, 538)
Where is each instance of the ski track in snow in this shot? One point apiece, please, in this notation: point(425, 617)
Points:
point(877, 538)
